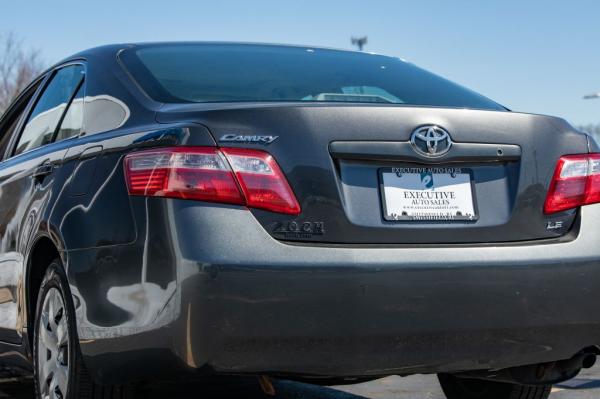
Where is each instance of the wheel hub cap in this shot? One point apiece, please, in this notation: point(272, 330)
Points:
point(53, 347)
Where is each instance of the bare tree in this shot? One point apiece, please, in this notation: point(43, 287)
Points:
point(18, 67)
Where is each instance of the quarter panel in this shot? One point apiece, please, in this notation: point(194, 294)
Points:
point(102, 215)
point(128, 289)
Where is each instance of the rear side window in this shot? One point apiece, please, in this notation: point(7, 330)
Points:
point(49, 109)
point(72, 123)
point(202, 73)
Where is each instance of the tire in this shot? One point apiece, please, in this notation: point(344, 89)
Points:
point(463, 388)
point(59, 371)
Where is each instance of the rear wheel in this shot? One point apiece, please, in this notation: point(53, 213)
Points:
point(58, 366)
point(464, 388)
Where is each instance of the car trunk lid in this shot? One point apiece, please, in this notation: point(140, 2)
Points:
point(337, 158)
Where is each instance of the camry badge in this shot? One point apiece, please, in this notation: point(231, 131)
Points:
point(431, 141)
point(240, 138)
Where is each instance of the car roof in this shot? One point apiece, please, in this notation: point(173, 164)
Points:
point(113, 49)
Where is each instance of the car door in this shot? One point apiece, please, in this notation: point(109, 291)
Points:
point(31, 166)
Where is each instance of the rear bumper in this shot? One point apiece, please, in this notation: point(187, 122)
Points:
point(221, 295)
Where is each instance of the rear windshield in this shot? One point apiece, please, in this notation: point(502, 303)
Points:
point(208, 73)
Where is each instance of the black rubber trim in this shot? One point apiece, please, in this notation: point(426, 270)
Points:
point(403, 151)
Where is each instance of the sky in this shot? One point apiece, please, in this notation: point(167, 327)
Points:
point(531, 56)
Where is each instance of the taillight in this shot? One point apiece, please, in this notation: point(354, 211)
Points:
point(262, 182)
point(206, 174)
point(576, 182)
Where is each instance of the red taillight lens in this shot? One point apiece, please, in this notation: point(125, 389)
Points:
point(196, 173)
point(205, 174)
point(261, 180)
point(576, 182)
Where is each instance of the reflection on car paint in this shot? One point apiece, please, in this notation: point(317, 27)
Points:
point(104, 113)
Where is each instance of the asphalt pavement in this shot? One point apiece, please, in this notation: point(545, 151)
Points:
point(585, 386)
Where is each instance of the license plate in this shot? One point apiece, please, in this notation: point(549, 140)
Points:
point(427, 194)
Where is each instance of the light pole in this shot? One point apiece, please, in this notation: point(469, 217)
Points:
point(360, 42)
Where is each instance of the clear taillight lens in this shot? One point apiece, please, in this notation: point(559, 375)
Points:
point(206, 174)
point(576, 182)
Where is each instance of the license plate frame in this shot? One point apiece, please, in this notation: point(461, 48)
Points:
point(414, 170)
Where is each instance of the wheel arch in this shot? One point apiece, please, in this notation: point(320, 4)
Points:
point(42, 252)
